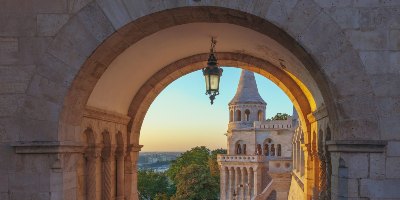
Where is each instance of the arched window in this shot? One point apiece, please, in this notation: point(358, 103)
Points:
point(238, 116)
point(260, 115)
point(279, 151)
point(231, 116)
point(247, 115)
point(238, 149)
point(244, 149)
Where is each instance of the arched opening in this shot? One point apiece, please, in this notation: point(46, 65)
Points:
point(247, 115)
point(240, 147)
point(95, 84)
point(231, 116)
point(260, 115)
point(238, 115)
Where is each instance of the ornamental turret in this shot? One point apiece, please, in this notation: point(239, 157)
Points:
point(247, 105)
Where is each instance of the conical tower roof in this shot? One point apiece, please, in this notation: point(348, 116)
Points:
point(247, 91)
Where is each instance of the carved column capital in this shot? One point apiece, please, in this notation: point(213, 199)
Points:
point(108, 153)
point(92, 153)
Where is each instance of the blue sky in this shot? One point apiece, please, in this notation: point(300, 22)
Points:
point(181, 117)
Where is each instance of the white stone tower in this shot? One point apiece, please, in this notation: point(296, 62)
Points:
point(258, 161)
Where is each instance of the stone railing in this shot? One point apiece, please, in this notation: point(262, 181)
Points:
point(240, 158)
point(274, 124)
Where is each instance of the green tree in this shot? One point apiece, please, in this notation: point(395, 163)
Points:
point(196, 183)
point(197, 155)
point(154, 185)
point(213, 164)
point(280, 116)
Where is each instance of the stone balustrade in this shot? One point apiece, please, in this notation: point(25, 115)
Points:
point(241, 158)
point(274, 124)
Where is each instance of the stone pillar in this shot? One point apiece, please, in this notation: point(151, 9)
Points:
point(237, 182)
point(92, 156)
point(231, 182)
point(223, 182)
point(107, 180)
point(243, 184)
point(120, 157)
point(132, 154)
point(251, 183)
point(257, 181)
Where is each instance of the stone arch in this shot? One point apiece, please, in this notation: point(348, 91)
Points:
point(260, 115)
point(247, 115)
point(238, 115)
point(231, 116)
point(96, 58)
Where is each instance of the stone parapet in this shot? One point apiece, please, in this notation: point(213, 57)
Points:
point(241, 158)
point(274, 124)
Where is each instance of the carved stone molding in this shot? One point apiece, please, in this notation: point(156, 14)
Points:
point(360, 146)
point(318, 114)
point(44, 147)
point(96, 113)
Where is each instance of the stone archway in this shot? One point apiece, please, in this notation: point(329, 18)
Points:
point(101, 31)
point(299, 92)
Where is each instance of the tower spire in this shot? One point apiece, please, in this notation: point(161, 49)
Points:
point(247, 91)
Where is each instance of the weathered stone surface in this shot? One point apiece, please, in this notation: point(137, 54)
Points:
point(393, 148)
point(357, 164)
point(79, 42)
point(94, 20)
point(279, 12)
point(377, 165)
point(8, 50)
point(40, 109)
point(32, 49)
point(368, 40)
point(75, 5)
point(10, 104)
point(116, 12)
point(392, 167)
point(50, 24)
point(388, 189)
point(43, 87)
point(380, 62)
point(302, 16)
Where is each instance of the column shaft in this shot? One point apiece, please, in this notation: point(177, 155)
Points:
point(120, 175)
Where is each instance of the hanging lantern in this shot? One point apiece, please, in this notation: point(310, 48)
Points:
point(212, 73)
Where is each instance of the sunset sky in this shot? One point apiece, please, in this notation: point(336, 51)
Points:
point(181, 117)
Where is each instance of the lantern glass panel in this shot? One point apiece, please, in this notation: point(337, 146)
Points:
point(207, 77)
point(214, 82)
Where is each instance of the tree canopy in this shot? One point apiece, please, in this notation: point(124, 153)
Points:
point(280, 116)
point(192, 176)
point(154, 185)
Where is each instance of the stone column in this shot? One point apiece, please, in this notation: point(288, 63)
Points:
point(132, 154)
point(223, 183)
point(237, 182)
point(108, 183)
point(257, 180)
point(243, 184)
point(231, 183)
point(92, 156)
point(251, 182)
point(120, 157)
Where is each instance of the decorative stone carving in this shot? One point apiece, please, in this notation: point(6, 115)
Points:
point(108, 154)
point(92, 155)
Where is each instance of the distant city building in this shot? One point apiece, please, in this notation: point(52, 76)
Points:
point(259, 150)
